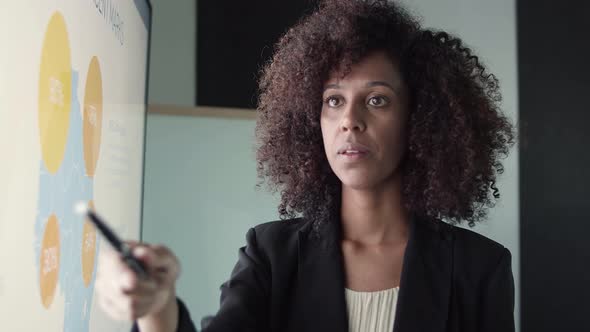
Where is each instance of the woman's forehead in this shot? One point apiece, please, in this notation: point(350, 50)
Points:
point(374, 67)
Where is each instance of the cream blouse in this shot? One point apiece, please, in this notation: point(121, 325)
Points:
point(371, 311)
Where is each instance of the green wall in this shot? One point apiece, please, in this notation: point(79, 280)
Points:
point(172, 58)
point(200, 199)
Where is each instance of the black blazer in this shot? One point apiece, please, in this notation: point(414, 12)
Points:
point(452, 279)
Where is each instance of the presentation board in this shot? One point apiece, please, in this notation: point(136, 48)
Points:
point(73, 78)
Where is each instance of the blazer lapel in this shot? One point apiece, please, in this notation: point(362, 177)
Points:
point(320, 303)
point(425, 286)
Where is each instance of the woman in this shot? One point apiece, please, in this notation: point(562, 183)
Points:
point(373, 130)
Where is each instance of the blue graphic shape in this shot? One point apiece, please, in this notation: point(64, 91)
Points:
point(58, 194)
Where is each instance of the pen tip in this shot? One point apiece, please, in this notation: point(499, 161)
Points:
point(80, 208)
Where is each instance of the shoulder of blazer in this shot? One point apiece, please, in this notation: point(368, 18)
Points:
point(280, 229)
point(477, 251)
point(466, 239)
point(279, 239)
point(468, 246)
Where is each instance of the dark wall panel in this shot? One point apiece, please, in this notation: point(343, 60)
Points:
point(234, 38)
point(554, 94)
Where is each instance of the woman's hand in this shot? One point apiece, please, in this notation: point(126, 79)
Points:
point(124, 296)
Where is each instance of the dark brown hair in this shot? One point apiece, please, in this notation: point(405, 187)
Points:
point(456, 131)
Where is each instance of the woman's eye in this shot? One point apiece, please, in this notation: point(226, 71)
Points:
point(333, 101)
point(377, 101)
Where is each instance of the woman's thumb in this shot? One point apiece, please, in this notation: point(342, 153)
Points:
point(144, 254)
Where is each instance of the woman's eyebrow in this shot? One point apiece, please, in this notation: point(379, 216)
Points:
point(332, 86)
point(398, 90)
point(379, 83)
point(368, 85)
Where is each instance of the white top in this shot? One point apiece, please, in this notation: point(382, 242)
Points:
point(371, 311)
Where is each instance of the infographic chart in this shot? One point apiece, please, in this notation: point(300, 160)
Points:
point(72, 129)
point(66, 246)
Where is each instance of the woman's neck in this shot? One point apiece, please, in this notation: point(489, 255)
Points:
point(374, 217)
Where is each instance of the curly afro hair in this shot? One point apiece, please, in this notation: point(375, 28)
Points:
point(456, 131)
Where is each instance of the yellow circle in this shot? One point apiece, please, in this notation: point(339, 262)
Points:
point(88, 249)
point(55, 90)
point(92, 116)
point(49, 261)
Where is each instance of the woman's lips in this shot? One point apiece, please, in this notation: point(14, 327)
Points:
point(353, 156)
point(352, 147)
point(353, 151)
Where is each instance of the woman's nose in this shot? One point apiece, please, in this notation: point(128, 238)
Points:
point(352, 118)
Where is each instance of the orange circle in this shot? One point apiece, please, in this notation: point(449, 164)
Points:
point(55, 93)
point(49, 261)
point(88, 248)
point(92, 116)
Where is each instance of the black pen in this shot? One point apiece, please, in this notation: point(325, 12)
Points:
point(124, 250)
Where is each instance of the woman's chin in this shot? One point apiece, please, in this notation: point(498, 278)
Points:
point(366, 181)
point(358, 183)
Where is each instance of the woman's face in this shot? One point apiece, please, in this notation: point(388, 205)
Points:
point(363, 122)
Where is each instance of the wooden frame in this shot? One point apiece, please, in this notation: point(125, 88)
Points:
point(204, 111)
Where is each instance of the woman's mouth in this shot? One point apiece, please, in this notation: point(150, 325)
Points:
point(353, 151)
point(353, 154)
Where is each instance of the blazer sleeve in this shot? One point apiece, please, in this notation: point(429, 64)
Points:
point(497, 307)
point(244, 297)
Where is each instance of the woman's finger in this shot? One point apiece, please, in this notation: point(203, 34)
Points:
point(124, 279)
point(142, 287)
point(123, 306)
point(163, 264)
point(123, 294)
point(143, 305)
point(110, 306)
